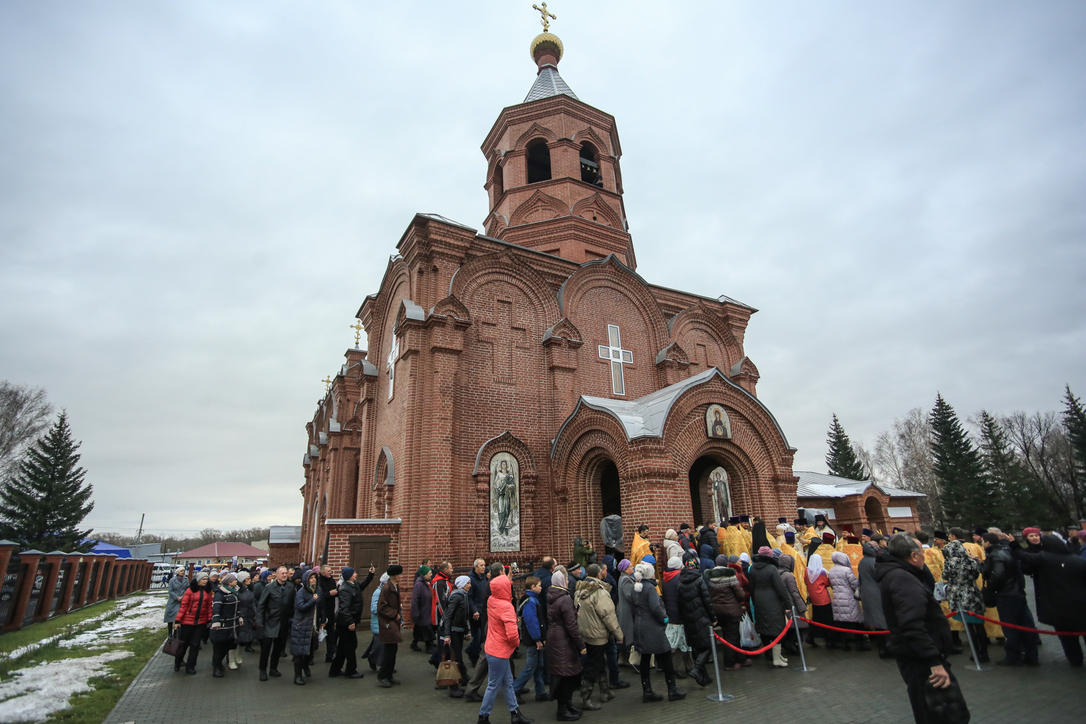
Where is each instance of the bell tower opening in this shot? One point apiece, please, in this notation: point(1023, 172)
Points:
point(610, 494)
point(590, 165)
point(539, 161)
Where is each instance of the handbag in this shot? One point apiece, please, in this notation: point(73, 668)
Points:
point(448, 673)
point(946, 706)
point(173, 644)
point(748, 637)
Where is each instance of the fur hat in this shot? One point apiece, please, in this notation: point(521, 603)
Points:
point(674, 563)
point(642, 571)
point(394, 570)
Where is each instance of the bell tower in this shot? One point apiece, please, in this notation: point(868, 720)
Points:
point(553, 178)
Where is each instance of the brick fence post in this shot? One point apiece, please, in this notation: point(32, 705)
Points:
point(65, 604)
point(24, 588)
point(54, 561)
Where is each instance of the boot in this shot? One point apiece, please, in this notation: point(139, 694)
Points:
point(605, 691)
point(647, 694)
point(455, 692)
point(566, 713)
point(586, 699)
point(483, 719)
point(674, 693)
point(779, 661)
point(232, 659)
point(515, 717)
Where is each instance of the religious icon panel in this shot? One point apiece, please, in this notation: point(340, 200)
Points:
point(504, 503)
point(717, 423)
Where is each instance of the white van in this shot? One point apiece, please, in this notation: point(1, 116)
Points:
point(160, 570)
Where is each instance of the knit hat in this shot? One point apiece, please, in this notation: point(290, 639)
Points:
point(642, 571)
point(1027, 531)
point(840, 559)
point(179, 569)
point(828, 537)
point(558, 579)
point(347, 572)
point(394, 570)
point(721, 560)
point(229, 579)
point(213, 573)
point(789, 537)
point(765, 551)
point(690, 560)
point(462, 581)
point(201, 575)
point(423, 570)
point(744, 557)
point(684, 526)
point(264, 574)
point(623, 565)
point(650, 559)
point(243, 576)
point(674, 563)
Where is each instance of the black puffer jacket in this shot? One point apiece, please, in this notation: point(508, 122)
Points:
point(771, 599)
point(696, 608)
point(726, 593)
point(1003, 574)
point(457, 609)
point(1060, 582)
point(918, 629)
point(351, 603)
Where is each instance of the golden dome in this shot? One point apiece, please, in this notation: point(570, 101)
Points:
point(546, 41)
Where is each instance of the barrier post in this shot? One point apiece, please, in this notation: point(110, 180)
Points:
point(969, 638)
point(720, 697)
point(799, 642)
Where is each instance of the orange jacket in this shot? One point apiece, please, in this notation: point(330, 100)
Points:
point(502, 638)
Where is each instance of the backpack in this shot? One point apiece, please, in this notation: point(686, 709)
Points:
point(522, 630)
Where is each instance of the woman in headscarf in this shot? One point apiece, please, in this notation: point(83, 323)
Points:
point(676, 633)
point(193, 615)
point(729, 600)
point(770, 600)
point(818, 593)
point(174, 591)
point(422, 598)
point(225, 621)
point(374, 650)
point(303, 626)
point(672, 548)
point(845, 601)
point(564, 646)
point(650, 620)
point(960, 573)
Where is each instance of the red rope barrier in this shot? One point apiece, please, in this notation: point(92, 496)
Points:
point(879, 632)
point(755, 652)
point(1019, 628)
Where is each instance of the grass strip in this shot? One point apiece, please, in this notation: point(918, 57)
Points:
point(37, 631)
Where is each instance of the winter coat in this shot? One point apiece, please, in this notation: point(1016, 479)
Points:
point(741, 576)
point(769, 597)
point(480, 591)
point(375, 626)
point(351, 601)
point(960, 573)
point(706, 557)
point(174, 591)
point(502, 636)
point(457, 613)
point(726, 593)
point(564, 642)
point(817, 589)
point(786, 564)
point(388, 614)
point(196, 606)
point(1003, 574)
point(596, 615)
point(707, 537)
point(1059, 583)
point(672, 549)
point(224, 617)
point(670, 592)
point(625, 607)
point(918, 630)
point(650, 618)
point(846, 608)
point(303, 624)
point(422, 599)
point(529, 614)
point(274, 609)
point(696, 608)
point(870, 595)
point(247, 612)
point(440, 588)
point(327, 603)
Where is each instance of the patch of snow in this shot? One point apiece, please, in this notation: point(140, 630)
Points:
point(117, 629)
point(37, 692)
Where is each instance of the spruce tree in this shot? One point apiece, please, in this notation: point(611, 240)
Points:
point(1011, 499)
point(1074, 422)
point(958, 468)
point(46, 500)
point(841, 458)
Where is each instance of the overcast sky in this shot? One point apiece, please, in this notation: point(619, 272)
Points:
point(196, 196)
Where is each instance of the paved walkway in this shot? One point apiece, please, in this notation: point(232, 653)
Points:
point(844, 688)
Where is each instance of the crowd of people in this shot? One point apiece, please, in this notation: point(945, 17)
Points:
point(656, 608)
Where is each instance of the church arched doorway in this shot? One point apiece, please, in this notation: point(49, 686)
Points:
point(610, 493)
point(876, 516)
point(710, 491)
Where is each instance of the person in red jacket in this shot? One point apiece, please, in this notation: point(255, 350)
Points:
point(818, 585)
point(193, 616)
point(502, 639)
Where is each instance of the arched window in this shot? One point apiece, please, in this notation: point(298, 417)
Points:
point(499, 181)
point(539, 161)
point(590, 165)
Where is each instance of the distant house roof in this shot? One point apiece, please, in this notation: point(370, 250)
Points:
point(285, 534)
point(820, 485)
point(224, 550)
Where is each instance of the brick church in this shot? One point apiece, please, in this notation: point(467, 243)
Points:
point(524, 382)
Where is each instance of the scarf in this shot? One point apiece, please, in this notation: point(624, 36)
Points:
point(815, 568)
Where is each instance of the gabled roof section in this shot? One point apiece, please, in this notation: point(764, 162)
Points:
point(548, 83)
point(225, 550)
point(821, 485)
point(284, 534)
point(646, 416)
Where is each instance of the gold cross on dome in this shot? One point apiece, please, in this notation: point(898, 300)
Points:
point(544, 15)
point(327, 383)
point(357, 327)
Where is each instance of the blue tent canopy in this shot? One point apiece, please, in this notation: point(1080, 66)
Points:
point(103, 547)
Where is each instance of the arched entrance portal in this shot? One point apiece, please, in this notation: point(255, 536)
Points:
point(710, 491)
point(876, 516)
point(610, 496)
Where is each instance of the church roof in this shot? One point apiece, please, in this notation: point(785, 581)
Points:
point(548, 83)
point(646, 416)
point(820, 485)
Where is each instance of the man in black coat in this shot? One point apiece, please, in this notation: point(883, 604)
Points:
point(348, 618)
point(1006, 586)
point(326, 585)
point(274, 611)
point(1060, 584)
point(479, 593)
point(919, 634)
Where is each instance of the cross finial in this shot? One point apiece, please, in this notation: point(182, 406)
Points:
point(545, 16)
point(357, 327)
point(327, 383)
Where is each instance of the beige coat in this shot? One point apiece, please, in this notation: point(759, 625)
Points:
point(596, 615)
